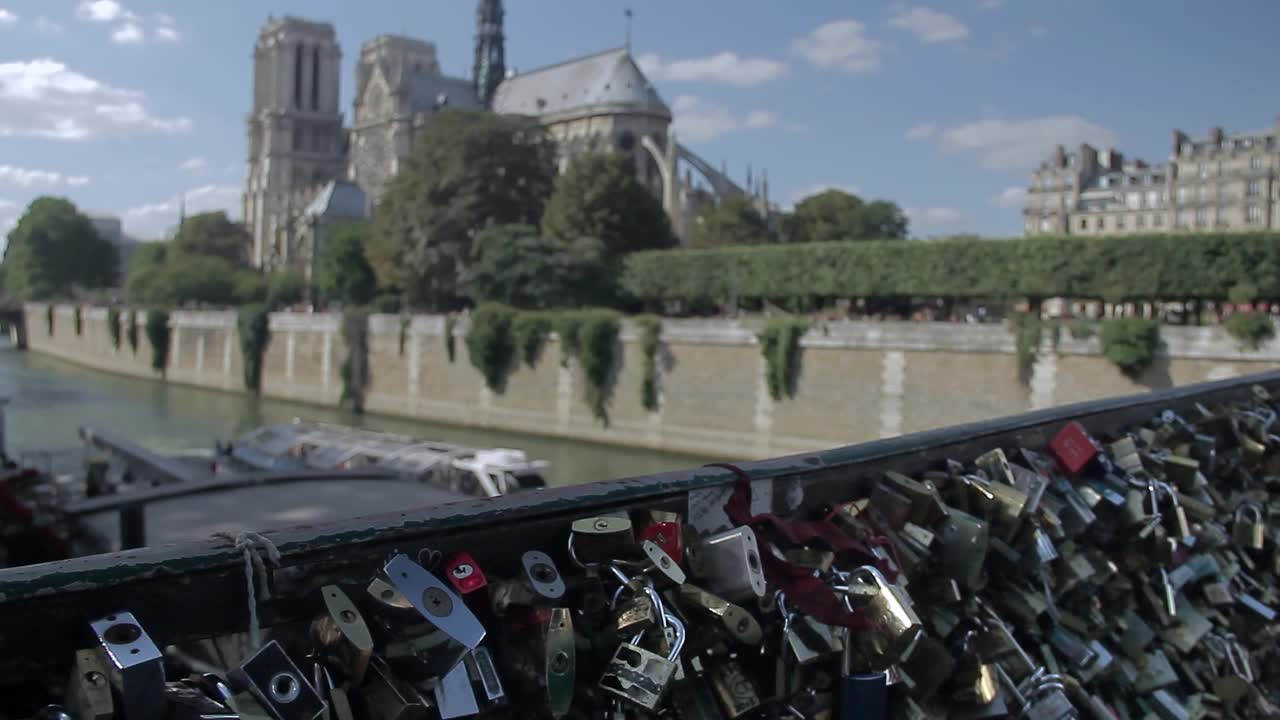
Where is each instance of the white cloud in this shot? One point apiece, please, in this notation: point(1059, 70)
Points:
point(811, 190)
point(1012, 197)
point(7, 17)
point(934, 216)
point(165, 33)
point(155, 219)
point(44, 98)
point(1021, 144)
point(990, 4)
point(127, 34)
point(6, 204)
point(1037, 30)
point(24, 177)
point(193, 164)
point(840, 44)
point(726, 68)
point(45, 26)
point(929, 25)
point(100, 11)
point(922, 131)
point(697, 120)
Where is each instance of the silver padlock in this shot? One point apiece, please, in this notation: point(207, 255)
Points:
point(640, 676)
point(455, 698)
point(1249, 530)
point(435, 601)
point(731, 564)
point(137, 667)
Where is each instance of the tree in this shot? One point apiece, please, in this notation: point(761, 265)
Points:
point(469, 170)
point(213, 234)
point(734, 221)
point(514, 266)
point(54, 248)
point(600, 197)
point(184, 279)
point(834, 215)
point(343, 272)
point(285, 289)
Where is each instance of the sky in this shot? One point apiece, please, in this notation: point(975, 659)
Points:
point(944, 107)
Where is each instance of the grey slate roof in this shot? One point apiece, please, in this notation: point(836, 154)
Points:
point(610, 78)
point(340, 199)
point(424, 89)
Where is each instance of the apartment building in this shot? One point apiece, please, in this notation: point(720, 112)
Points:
point(1224, 182)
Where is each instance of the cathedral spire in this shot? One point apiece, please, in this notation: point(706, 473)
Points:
point(490, 65)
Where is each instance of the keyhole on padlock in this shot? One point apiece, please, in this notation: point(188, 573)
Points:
point(560, 662)
point(543, 573)
point(347, 616)
point(95, 678)
point(463, 571)
point(602, 524)
point(753, 561)
point(436, 602)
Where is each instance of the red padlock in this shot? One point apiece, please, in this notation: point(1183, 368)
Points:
point(1073, 447)
point(463, 572)
point(666, 535)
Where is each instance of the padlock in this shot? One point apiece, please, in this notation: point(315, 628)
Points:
point(485, 673)
point(640, 676)
point(386, 697)
point(662, 564)
point(964, 540)
point(1248, 529)
point(435, 601)
point(634, 615)
point(454, 695)
point(277, 684)
point(736, 621)
point(667, 535)
point(137, 667)
point(812, 558)
point(188, 700)
point(1181, 472)
point(731, 564)
point(89, 688)
point(350, 623)
point(1073, 448)
point(540, 657)
point(601, 539)
point(895, 626)
point(463, 572)
point(734, 688)
point(923, 496)
point(975, 680)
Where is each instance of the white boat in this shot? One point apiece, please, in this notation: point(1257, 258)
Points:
point(321, 446)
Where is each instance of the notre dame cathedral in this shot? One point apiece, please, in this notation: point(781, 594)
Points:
point(307, 169)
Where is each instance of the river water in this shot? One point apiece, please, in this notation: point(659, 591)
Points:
point(50, 399)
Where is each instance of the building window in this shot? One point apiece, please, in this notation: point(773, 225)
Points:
point(1206, 191)
point(1220, 169)
point(1099, 224)
point(1224, 191)
point(1204, 170)
point(1070, 181)
point(1202, 217)
point(1255, 188)
point(1186, 149)
point(1084, 224)
point(1184, 194)
point(1255, 162)
point(1157, 220)
point(1046, 224)
point(1146, 179)
point(1153, 198)
point(1140, 221)
point(1133, 200)
point(1255, 214)
point(1119, 222)
point(1104, 181)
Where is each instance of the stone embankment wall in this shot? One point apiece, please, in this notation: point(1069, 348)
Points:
point(858, 380)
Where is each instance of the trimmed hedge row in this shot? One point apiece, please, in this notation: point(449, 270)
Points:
point(1139, 267)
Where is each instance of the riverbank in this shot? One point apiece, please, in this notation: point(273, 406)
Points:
point(856, 381)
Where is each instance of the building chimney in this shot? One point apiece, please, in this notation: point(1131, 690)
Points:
point(1179, 138)
point(1215, 136)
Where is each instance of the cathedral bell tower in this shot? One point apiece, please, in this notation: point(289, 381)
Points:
point(490, 66)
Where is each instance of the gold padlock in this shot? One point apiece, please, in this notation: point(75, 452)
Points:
point(896, 627)
point(1248, 530)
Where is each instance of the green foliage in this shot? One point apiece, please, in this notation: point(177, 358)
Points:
point(249, 287)
point(1242, 293)
point(650, 327)
point(469, 169)
point(158, 336)
point(343, 272)
point(512, 265)
point(1130, 343)
point(131, 330)
point(449, 345)
point(1252, 329)
point(1082, 329)
point(355, 368)
point(1133, 267)
point(113, 326)
point(1027, 330)
point(387, 303)
point(734, 221)
point(253, 322)
point(566, 325)
point(48, 318)
point(77, 320)
point(600, 197)
point(595, 343)
point(285, 289)
point(212, 234)
point(54, 248)
point(780, 344)
point(837, 216)
point(529, 332)
point(174, 279)
point(490, 344)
